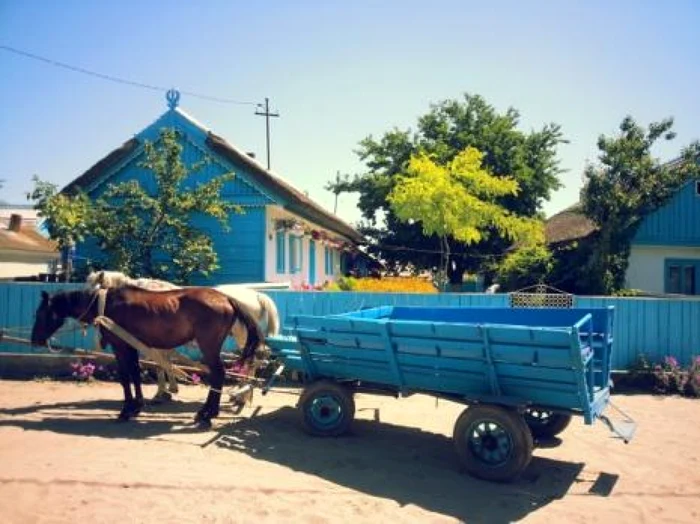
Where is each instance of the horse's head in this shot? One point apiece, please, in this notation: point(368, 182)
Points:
point(49, 317)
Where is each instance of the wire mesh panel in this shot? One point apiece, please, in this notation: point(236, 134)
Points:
point(540, 295)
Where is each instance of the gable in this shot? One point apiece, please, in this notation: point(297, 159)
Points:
point(677, 223)
point(122, 165)
point(252, 186)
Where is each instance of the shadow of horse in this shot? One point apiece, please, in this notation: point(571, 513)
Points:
point(407, 465)
point(96, 418)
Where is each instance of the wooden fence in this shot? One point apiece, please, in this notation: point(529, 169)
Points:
point(654, 327)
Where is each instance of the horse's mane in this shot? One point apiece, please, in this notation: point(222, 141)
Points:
point(116, 279)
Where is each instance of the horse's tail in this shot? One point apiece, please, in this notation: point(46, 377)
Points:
point(255, 336)
point(273, 318)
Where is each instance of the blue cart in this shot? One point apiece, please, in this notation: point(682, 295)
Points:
point(522, 372)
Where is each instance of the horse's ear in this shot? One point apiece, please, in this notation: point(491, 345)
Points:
point(44, 296)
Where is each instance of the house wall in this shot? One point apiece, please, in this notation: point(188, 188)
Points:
point(14, 264)
point(303, 275)
point(675, 224)
point(647, 268)
point(241, 250)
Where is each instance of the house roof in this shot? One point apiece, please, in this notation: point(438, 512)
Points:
point(567, 225)
point(26, 240)
point(293, 199)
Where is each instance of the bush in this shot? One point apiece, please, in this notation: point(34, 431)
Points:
point(667, 377)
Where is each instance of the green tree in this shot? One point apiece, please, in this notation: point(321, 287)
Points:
point(529, 264)
point(147, 233)
point(447, 129)
point(458, 200)
point(626, 185)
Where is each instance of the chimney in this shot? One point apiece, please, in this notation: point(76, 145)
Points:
point(15, 222)
point(250, 154)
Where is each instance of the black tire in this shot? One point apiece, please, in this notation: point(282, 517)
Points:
point(493, 443)
point(545, 424)
point(327, 409)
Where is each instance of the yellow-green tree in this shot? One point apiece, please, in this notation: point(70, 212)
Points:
point(459, 200)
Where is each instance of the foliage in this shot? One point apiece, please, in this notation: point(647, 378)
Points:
point(529, 264)
point(395, 285)
point(67, 217)
point(145, 233)
point(459, 200)
point(668, 377)
point(446, 130)
point(627, 184)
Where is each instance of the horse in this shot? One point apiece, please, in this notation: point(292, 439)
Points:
point(258, 304)
point(158, 319)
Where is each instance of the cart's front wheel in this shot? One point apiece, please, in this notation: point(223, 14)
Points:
point(545, 424)
point(494, 443)
point(327, 409)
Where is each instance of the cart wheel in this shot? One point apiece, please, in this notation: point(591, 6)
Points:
point(327, 408)
point(545, 424)
point(494, 443)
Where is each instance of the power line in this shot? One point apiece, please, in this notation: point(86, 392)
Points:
point(116, 79)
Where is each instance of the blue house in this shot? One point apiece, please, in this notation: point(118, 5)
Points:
point(665, 254)
point(282, 236)
point(665, 251)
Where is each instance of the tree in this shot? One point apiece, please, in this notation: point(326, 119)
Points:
point(457, 200)
point(446, 130)
point(142, 233)
point(531, 263)
point(627, 184)
point(67, 218)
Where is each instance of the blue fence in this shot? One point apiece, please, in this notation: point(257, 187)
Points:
point(655, 327)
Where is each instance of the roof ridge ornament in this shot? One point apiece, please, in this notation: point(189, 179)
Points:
point(173, 98)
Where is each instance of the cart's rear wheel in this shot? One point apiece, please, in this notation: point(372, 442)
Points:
point(546, 424)
point(493, 443)
point(327, 408)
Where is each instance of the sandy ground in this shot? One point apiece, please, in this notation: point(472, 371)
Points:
point(64, 459)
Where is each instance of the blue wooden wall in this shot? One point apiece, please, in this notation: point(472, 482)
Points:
point(655, 327)
point(241, 250)
point(675, 224)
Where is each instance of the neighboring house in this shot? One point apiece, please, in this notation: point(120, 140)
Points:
point(665, 251)
point(283, 236)
point(24, 252)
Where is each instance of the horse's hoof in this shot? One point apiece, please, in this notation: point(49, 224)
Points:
point(204, 423)
point(123, 417)
point(162, 397)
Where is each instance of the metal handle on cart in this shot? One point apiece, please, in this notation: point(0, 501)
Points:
point(273, 378)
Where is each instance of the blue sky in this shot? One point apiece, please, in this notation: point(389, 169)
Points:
point(336, 72)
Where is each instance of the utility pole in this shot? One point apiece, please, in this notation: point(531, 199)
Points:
point(266, 113)
point(337, 179)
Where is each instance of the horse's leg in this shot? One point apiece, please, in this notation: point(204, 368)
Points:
point(124, 368)
point(172, 379)
point(211, 356)
point(135, 372)
point(161, 394)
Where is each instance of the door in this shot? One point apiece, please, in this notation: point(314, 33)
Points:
point(312, 262)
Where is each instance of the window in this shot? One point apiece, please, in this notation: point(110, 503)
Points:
point(294, 254)
point(281, 238)
point(329, 261)
point(697, 188)
point(674, 279)
point(689, 280)
point(680, 276)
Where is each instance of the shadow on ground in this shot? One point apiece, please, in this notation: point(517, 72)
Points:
point(407, 465)
point(403, 464)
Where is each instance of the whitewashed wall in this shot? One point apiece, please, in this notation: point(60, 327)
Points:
point(18, 265)
point(646, 265)
point(302, 277)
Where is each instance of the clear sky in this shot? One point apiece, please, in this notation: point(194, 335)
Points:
point(336, 72)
